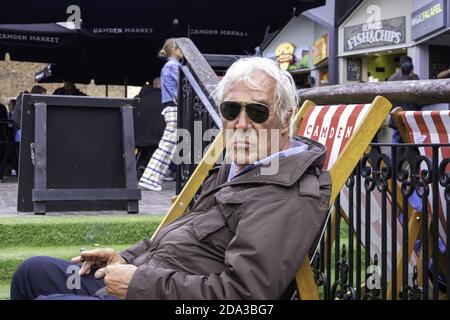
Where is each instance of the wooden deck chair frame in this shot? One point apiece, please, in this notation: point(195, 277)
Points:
point(341, 170)
point(413, 226)
point(415, 221)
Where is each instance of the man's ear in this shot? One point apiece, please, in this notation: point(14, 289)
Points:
point(286, 126)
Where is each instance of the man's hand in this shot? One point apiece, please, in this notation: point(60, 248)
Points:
point(99, 258)
point(118, 278)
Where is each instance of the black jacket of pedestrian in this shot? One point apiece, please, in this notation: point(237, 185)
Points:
point(63, 92)
point(3, 112)
point(17, 113)
point(149, 124)
point(407, 106)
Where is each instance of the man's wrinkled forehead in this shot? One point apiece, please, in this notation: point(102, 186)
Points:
point(259, 84)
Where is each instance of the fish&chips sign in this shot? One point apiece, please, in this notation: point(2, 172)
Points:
point(375, 34)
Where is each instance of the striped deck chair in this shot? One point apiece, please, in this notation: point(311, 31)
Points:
point(324, 124)
point(346, 131)
point(427, 127)
point(354, 142)
point(332, 126)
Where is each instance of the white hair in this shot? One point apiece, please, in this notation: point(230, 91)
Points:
point(285, 91)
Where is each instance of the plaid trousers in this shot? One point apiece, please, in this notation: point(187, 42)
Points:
point(158, 166)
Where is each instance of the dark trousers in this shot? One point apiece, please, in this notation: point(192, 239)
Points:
point(46, 278)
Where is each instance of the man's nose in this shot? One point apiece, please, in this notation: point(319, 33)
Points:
point(243, 121)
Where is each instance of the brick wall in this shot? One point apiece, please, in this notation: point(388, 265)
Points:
point(16, 77)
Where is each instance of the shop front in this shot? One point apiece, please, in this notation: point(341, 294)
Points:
point(372, 40)
point(302, 48)
point(431, 33)
point(320, 54)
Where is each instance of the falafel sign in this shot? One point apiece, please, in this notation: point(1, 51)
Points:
point(428, 19)
point(376, 34)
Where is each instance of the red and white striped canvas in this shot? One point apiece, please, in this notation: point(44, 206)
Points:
point(375, 221)
point(431, 127)
point(333, 126)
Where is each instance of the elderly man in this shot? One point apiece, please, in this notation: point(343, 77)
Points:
point(249, 230)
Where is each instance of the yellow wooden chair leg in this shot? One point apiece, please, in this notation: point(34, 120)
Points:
point(306, 285)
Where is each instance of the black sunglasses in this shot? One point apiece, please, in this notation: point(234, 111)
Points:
point(257, 112)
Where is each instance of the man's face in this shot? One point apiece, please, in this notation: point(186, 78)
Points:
point(247, 141)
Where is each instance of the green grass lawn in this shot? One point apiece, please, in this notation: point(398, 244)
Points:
point(4, 290)
point(62, 237)
point(79, 230)
point(344, 241)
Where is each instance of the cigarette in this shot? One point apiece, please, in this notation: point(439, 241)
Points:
point(81, 250)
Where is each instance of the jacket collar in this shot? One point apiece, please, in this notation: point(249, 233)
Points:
point(290, 168)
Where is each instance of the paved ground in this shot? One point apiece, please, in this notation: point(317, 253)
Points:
point(151, 203)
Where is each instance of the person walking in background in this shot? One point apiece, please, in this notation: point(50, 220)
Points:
point(17, 113)
point(405, 73)
point(8, 160)
point(149, 124)
point(158, 166)
point(3, 112)
point(11, 106)
point(68, 89)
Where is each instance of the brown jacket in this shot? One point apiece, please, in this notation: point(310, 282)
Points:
point(243, 239)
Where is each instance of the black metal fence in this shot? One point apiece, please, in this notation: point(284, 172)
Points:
point(408, 261)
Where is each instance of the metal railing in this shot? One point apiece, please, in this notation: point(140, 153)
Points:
point(194, 108)
point(406, 267)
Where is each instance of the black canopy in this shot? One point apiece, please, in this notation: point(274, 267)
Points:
point(138, 12)
point(225, 27)
point(120, 39)
point(39, 42)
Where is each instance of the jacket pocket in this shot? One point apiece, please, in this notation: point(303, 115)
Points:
point(309, 186)
point(204, 225)
point(229, 200)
